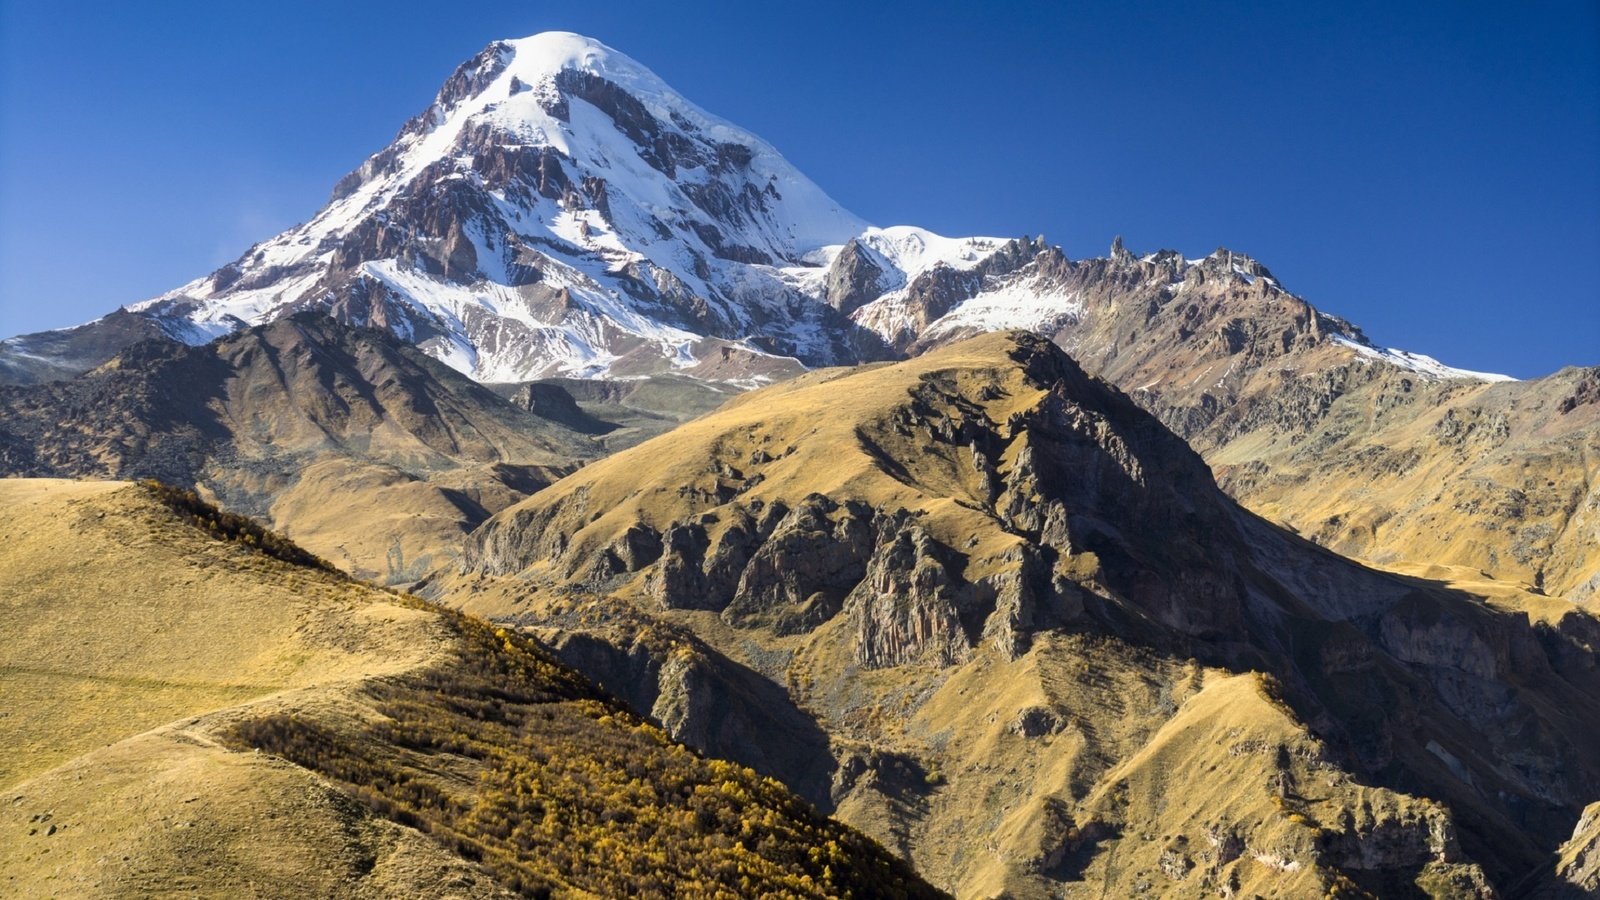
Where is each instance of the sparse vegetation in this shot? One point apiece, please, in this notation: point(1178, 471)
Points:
point(509, 759)
point(230, 526)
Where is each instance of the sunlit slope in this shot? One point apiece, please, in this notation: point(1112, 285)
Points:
point(120, 617)
point(1502, 477)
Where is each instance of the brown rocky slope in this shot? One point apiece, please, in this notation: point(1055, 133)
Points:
point(280, 420)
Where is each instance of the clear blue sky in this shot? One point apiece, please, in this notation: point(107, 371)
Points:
point(1430, 171)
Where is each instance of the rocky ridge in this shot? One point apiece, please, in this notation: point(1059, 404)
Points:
point(1010, 598)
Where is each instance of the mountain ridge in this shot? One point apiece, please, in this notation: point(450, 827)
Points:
point(271, 418)
point(1012, 599)
point(559, 210)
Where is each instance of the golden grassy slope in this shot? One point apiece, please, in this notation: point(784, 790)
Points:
point(1503, 478)
point(121, 618)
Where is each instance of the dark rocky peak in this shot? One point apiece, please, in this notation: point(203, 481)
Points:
point(1096, 473)
point(555, 403)
point(1585, 388)
point(1119, 254)
point(938, 290)
point(1224, 263)
point(1169, 266)
point(1014, 254)
point(315, 331)
point(664, 149)
point(143, 356)
point(469, 80)
point(855, 278)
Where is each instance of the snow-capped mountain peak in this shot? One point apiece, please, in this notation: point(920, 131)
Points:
point(559, 209)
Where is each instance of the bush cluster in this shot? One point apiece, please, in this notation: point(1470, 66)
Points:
point(572, 792)
point(230, 526)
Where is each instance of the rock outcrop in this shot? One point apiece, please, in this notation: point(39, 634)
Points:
point(1577, 871)
point(854, 278)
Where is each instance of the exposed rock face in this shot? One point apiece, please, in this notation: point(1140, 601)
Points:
point(1016, 603)
point(854, 279)
point(722, 708)
point(1577, 872)
point(1036, 721)
point(905, 609)
point(802, 565)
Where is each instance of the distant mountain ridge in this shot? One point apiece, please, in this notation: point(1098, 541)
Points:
point(275, 419)
point(559, 210)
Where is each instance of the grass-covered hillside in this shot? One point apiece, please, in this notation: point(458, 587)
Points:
point(188, 711)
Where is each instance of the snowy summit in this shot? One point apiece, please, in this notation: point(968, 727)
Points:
point(560, 210)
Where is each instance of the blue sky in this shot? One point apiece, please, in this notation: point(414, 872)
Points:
point(1430, 171)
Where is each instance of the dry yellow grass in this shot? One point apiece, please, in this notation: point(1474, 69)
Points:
point(121, 618)
point(169, 813)
point(386, 525)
